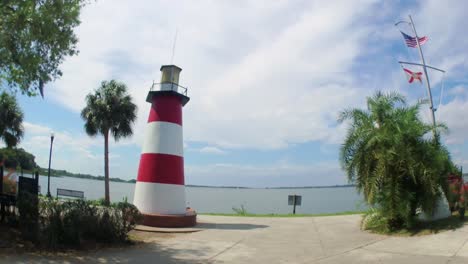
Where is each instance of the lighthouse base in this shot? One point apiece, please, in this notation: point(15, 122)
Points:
point(160, 220)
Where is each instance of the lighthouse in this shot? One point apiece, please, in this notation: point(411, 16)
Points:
point(160, 185)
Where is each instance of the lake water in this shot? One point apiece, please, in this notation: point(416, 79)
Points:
point(222, 200)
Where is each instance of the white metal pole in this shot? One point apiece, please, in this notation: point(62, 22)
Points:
point(427, 79)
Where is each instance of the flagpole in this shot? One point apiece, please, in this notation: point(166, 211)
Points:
point(434, 132)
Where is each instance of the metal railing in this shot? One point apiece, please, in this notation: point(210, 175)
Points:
point(173, 87)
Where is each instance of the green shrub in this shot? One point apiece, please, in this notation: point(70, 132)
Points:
point(27, 204)
point(389, 156)
point(375, 220)
point(108, 223)
point(69, 223)
point(51, 231)
point(130, 217)
point(240, 210)
point(98, 202)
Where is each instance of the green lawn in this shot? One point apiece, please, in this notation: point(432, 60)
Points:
point(286, 215)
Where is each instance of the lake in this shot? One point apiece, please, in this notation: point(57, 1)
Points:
point(222, 200)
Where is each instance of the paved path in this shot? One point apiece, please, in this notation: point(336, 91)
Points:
point(334, 239)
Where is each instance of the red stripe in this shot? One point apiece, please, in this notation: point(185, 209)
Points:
point(161, 168)
point(166, 108)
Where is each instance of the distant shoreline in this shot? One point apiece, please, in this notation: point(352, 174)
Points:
point(63, 173)
point(205, 186)
point(277, 188)
point(95, 178)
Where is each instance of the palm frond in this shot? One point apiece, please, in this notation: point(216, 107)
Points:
point(11, 120)
point(387, 154)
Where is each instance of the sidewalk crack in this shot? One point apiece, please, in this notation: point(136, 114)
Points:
point(456, 252)
point(224, 250)
point(347, 251)
point(319, 238)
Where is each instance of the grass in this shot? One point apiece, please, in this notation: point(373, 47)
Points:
point(426, 228)
point(285, 215)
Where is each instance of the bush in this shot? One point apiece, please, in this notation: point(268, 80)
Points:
point(388, 155)
point(129, 215)
point(51, 232)
point(240, 210)
point(98, 202)
point(69, 223)
point(27, 204)
point(375, 220)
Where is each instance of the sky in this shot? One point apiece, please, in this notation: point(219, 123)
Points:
point(267, 80)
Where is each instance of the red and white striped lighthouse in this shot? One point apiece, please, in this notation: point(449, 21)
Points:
point(160, 189)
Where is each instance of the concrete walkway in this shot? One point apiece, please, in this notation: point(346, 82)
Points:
point(334, 239)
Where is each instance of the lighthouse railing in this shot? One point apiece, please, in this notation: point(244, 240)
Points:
point(168, 86)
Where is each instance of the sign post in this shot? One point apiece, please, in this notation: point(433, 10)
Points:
point(294, 200)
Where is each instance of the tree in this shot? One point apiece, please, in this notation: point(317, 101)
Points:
point(11, 120)
point(18, 156)
point(389, 156)
point(109, 110)
point(35, 37)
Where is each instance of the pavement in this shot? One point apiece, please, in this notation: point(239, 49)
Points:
point(331, 239)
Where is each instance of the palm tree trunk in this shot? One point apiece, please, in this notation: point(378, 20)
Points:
point(106, 168)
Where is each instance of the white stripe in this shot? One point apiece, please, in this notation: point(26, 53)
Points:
point(163, 138)
point(158, 198)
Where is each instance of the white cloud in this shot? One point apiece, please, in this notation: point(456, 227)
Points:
point(446, 49)
point(258, 77)
point(459, 90)
point(212, 150)
point(36, 129)
point(261, 74)
point(74, 152)
point(454, 115)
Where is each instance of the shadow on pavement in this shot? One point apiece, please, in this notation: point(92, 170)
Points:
point(234, 226)
point(148, 253)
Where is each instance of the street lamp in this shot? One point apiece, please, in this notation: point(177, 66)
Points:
point(50, 157)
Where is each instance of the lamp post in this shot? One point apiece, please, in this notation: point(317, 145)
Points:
point(50, 157)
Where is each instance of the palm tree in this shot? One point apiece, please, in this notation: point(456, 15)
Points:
point(390, 158)
point(109, 110)
point(11, 120)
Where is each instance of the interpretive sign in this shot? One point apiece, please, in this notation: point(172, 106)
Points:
point(294, 200)
point(27, 185)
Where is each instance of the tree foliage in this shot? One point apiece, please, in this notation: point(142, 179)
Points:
point(110, 109)
point(11, 120)
point(35, 38)
point(389, 155)
point(13, 157)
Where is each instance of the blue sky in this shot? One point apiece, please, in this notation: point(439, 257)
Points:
point(266, 80)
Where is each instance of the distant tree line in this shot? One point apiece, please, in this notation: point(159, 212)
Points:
point(20, 158)
point(58, 173)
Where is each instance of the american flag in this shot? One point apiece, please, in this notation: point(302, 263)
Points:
point(411, 41)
